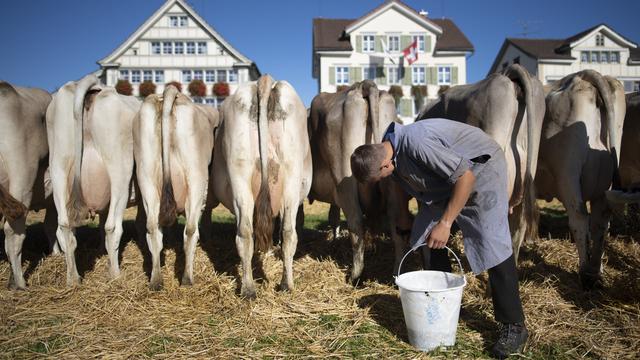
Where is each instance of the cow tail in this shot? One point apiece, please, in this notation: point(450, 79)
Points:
point(76, 206)
point(262, 212)
point(517, 73)
point(372, 94)
point(167, 200)
point(10, 207)
point(604, 91)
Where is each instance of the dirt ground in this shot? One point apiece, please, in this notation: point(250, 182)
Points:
point(323, 317)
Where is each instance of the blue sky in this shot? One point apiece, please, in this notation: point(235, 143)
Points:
point(46, 43)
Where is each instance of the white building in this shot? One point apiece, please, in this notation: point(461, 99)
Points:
point(599, 48)
point(350, 50)
point(176, 44)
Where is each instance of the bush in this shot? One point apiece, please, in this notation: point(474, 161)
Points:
point(197, 88)
point(176, 84)
point(419, 93)
point(396, 92)
point(147, 88)
point(124, 87)
point(221, 89)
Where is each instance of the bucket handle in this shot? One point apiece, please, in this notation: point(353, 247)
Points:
point(423, 244)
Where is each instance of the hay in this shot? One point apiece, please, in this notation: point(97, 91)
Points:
point(323, 317)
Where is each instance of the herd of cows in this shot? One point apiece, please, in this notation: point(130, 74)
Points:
point(88, 150)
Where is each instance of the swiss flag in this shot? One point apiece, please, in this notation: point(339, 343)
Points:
point(411, 52)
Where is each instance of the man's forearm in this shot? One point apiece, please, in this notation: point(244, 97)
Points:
point(461, 192)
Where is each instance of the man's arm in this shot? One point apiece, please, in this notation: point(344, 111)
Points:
point(461, 191)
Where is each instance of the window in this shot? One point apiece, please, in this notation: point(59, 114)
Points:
point(210, 76)
point(604, 57)
point(636, 86)
point(178, 48)
point(584, 56)
point(233, 75)
point(147, 75)
point(135, 51)
point(342, 75)
point(191, 47)
point(418, 75)
point(167, 47)
point(124, 75)
point(173, 21)
point(221, 75)
point(159, 76)
point(615, 57)
point(219, 101)
point(202, 48)
point(186, 76)
point(155, 48)
point(516, 60)
point(368, 43)
point(369, 73)
point(198, 100)
point(599, 40)
point(183, 21)
point(197, 75)
point(594, 56)
point(419, 39)
point(210, 101)
point(444, 75)
point(393, 75)
point(394, 43)
point(135, 76)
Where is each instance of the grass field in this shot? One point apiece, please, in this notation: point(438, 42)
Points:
point(323, 317)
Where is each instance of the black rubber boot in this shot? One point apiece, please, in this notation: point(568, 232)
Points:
point(511, 340)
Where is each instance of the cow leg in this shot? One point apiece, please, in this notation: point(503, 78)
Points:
point(243, 208)
point(289, 244)
point(50, 228)
point(150, 206)
point(113, 226)
point(578, 219)
point(68, 243)
point(348, 201)
point(600, 214)
point(193, 210)
point(14, 235)
point(300, 219)
point(334, 220)
point(518, 226)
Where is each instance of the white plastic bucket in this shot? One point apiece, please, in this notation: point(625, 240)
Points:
point(431, 305)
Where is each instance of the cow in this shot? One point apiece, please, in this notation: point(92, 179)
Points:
point(23, 163)
point(630, 148)
point(262, 169)
point(579, 156)
point(338, 124)
point(173, 143)
point(509, 107)
point(89, 129)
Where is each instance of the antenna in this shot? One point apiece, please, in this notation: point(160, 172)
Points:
point(527, 28)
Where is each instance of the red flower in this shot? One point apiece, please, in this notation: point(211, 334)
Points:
point(221, 89)
point(124, 87)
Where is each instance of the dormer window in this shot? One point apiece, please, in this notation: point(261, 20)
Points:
point(173, 21)
point(599, 40)
point(178, 21)
point(183, 21)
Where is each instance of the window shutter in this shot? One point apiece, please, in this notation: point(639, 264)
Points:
point(405, 40)
point(432, 75)
point(406, 79)
point(332, 75)
point(378, 43)
point(427, 43)
point(380, 75)
point(406, 107)
point(359, 43)
point(355, 74)
point(454, 75)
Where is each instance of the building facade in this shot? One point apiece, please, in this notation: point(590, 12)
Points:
point(370, 47)
point(599, 48)
point(176, 44)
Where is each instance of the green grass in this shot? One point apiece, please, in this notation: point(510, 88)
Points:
point(159, 344)
point(49, 345)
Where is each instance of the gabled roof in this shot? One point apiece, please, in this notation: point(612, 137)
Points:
point(401, 7)
point(331, 34)
point(156, 16)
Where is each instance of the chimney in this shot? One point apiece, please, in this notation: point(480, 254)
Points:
point(424, 13)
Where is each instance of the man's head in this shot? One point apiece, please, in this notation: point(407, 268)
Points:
point(372, 162)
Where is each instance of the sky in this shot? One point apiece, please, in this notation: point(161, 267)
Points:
point(46, 43)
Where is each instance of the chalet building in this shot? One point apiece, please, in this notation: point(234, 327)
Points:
point(176, 44)
point(371, 47)
point(599, 48)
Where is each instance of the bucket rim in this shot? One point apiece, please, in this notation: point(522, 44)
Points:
point(464, 283)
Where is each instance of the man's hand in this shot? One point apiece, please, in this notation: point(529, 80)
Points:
point(439, 236)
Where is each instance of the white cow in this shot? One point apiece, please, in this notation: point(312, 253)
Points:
point(89, 128)
point(23, 161)
point(579, 156)
point(173, 142)
point(262, 168)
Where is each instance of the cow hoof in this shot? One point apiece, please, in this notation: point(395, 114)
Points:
point(186, 281)
point(284, 287)
point(248, 294)
point(590, 280)
point(354, 281)
point(155, 285)
point(114, 274)
point(74, 281)
point(16, 285)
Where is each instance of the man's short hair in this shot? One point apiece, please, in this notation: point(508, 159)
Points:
point(366, 161)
